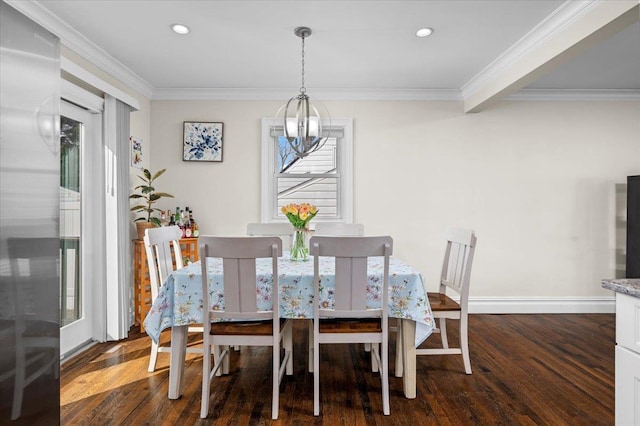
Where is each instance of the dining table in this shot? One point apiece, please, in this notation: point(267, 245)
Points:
point(179, 305)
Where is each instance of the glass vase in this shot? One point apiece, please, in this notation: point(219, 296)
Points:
point(300, 244)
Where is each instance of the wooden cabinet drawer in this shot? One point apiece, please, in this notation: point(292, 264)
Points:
point(628, 321)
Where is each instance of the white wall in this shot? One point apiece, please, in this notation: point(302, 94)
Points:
point(534, 179)
point(140, 120)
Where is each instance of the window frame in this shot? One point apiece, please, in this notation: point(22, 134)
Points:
point(344, 171)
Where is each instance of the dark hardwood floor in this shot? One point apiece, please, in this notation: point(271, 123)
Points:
point(527, 370)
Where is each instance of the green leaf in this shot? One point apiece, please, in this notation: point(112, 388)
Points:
point(156, 221)
point(158, 174)
point(163, 194)
point(147, 174)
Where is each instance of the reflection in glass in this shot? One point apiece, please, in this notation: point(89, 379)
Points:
point(312, 179)
point(70, 157)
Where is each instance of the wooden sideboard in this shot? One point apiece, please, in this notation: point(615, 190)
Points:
point(141, 281)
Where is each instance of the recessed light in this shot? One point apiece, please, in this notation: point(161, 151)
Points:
point(180, 29)
point(424, 32)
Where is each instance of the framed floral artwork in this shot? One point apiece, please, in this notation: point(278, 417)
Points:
point(136, 152)
point(202, 141)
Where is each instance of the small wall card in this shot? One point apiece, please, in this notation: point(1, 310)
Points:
point(136, 152)
point(202, 141)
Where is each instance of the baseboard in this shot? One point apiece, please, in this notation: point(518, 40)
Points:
point(542, 305)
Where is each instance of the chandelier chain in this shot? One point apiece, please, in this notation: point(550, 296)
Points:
point(303, 89)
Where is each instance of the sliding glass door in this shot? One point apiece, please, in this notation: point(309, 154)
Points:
point(76, 315)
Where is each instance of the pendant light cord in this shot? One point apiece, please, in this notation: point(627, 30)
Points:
point(303, 89)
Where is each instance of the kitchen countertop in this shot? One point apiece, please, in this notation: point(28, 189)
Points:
point(630, 286)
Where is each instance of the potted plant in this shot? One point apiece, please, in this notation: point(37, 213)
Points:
point(148, 196)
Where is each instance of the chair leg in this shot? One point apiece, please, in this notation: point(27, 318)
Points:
point(399, 365)
point(374, 362)
point(442, 323)
point(226, 360)
point(217, 352)
point(464, 343)
point(316, 378)
point(206, 379)
point(18, 385)
point(311, 347)
point(153, 358)
point(275, 377)
point(384, 374)
point(288, 349)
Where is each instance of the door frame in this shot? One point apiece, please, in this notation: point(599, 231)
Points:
point(92, 325)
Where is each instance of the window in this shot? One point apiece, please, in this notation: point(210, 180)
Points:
point(323, 178)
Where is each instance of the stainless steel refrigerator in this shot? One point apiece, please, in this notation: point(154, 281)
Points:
point(29, 221)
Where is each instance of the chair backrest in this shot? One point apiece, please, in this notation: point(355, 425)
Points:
point(458, 258)
point(35, 276)
point(159, 243)
point(239, 274)
point(282, 230)
point(339, 229)
point(351, 256)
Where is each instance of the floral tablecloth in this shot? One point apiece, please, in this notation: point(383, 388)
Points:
point(179, 300)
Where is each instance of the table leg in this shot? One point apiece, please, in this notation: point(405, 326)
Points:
point(176, 365)
point(409, 357)
point(399, 349)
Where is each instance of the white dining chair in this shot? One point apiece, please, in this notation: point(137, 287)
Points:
point(241, 323)
point(162, 247)
point(335, 229)
point(349, 319)
point(455, 276)
point(282, 230)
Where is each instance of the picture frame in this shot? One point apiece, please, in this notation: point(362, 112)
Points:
point(202, 141)
point(136, 152)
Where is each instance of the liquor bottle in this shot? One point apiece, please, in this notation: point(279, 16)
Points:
point(194, 225)
point(172, 221)
point(176, 216)
point(188, 231)
point(181, 222)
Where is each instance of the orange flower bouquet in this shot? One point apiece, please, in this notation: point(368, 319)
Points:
point(300, 215)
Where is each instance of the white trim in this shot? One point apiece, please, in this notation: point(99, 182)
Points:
point(563, 16)
point(257, 94)
point(542, 305)
point(84, 75)
point(79, 96)
point(345, 203)
point(84, 47)
point(574, 95)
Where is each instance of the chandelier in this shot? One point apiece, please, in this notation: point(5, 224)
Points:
point(301, 121)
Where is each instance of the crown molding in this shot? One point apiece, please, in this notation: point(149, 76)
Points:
point(546, 29)
point(223, 94)
point(256, 94)
point(574, 95)
point(81, 45)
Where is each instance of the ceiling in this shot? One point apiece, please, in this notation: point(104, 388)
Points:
point(355, 45)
